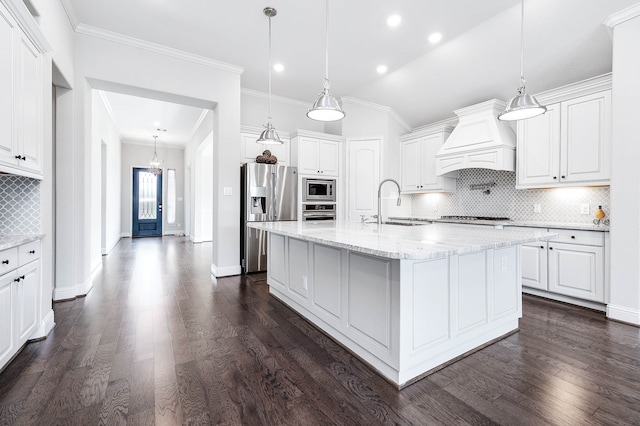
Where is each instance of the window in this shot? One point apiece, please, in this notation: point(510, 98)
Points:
point(171, 196)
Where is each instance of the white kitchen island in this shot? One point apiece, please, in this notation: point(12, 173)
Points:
point(406, 299)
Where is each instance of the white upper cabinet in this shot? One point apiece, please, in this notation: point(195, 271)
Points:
point(316, 153)
point(569, 145)
point(251, 149)
point(419, 162)
point(21, 134)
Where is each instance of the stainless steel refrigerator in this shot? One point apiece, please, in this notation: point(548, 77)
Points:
point(269, 193)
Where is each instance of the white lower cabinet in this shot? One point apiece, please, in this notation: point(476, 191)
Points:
point(571, 265)
point(19, 297)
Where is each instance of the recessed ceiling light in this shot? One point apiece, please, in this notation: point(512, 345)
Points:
point(278, 67)
point(381, 69)
point(435, 37)
point(394, 20)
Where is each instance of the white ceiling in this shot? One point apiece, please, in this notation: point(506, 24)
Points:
point(478, 58)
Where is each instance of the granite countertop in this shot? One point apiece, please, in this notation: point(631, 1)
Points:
point(10, 241)
point(433, 240)
point(528, 223)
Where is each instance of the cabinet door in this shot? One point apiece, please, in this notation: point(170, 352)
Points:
point(7, 328)
point(534, 265)
point(253, 149)
point(539, 149)
point(27, 300)
point(586, 139)
point(29, 97)
point(329, 157)
point(7, 78)
point(576, 270)
point(411, 165)
point(308, 162)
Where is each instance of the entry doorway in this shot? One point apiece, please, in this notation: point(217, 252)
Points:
point(147, 203)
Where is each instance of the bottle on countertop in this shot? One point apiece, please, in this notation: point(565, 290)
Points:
point(600, 213)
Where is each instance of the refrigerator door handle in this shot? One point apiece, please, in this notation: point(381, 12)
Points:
point(274, 181)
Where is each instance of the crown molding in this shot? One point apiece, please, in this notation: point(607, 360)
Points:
point(70, 11)
point(258, 130)
point(28, 24)
point(379, 108)
point(281, 99)
point(141, 141)
point(446, 125)
point(623, 16)
point(574, 90)
point(156, 48)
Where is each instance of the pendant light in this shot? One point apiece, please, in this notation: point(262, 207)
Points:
point(523, 105)
point(154, 164)
point(326, 107)
point(269, 136)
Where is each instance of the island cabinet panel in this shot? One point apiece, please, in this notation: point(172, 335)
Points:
point(370, 297)
point(506, 296)
point(327, 280)
point(299, 267)
point(430, 304)
point(471, 294)
point(276, 260)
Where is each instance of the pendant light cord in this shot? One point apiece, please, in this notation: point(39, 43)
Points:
point(522, 47)
point(326, 54)
point(269, 69)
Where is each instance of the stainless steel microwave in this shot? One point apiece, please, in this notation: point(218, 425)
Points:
point(318, 190)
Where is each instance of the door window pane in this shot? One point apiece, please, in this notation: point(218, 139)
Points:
point(147, 199)
point(171, 196)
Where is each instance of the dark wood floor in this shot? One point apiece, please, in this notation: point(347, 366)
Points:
point(157, 342)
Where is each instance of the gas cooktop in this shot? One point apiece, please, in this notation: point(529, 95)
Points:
point(473, 218)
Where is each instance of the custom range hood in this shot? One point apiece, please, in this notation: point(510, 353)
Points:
point(479, 140)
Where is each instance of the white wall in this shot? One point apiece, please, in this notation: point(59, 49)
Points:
point(288, 114)
point(106, 135)
point(136, 155)
point(625, 177)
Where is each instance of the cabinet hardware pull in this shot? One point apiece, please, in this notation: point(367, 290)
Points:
point(550, 248)
point(32, 252)
point(555, 177)
point(5, 262)
point(21, 277)
point(562, 177)
point(573, 237)
point(17, 279)
point(18, 157)
point(541, 247)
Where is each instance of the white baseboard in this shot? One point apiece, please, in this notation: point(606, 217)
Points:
point(114, 243)
point(566, 299)
point(226, 271)
point(125, 235)
point(65, 293)
point(620, 313)
point(46, 325)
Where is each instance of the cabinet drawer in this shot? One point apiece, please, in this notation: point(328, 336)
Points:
point(8, 260)
point(589, 238)
point(28, 252)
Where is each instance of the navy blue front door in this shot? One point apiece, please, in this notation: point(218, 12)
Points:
point(147, 204)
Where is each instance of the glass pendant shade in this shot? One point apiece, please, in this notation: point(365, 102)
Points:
point(269, 136)
point(521, 107)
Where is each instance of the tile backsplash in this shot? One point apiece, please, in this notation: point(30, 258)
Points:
point(19, 205)
point(503, 200)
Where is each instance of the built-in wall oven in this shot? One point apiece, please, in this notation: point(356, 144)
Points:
point(318, 190)
point(319, 211)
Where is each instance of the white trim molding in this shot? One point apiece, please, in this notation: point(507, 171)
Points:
point(65, 293)
point(623, 16)
point(70, 11)
point(623, 314)
point(226, 271)
point(380, 108)
point(28, 24)
point(156, 48)
point(45, 327)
